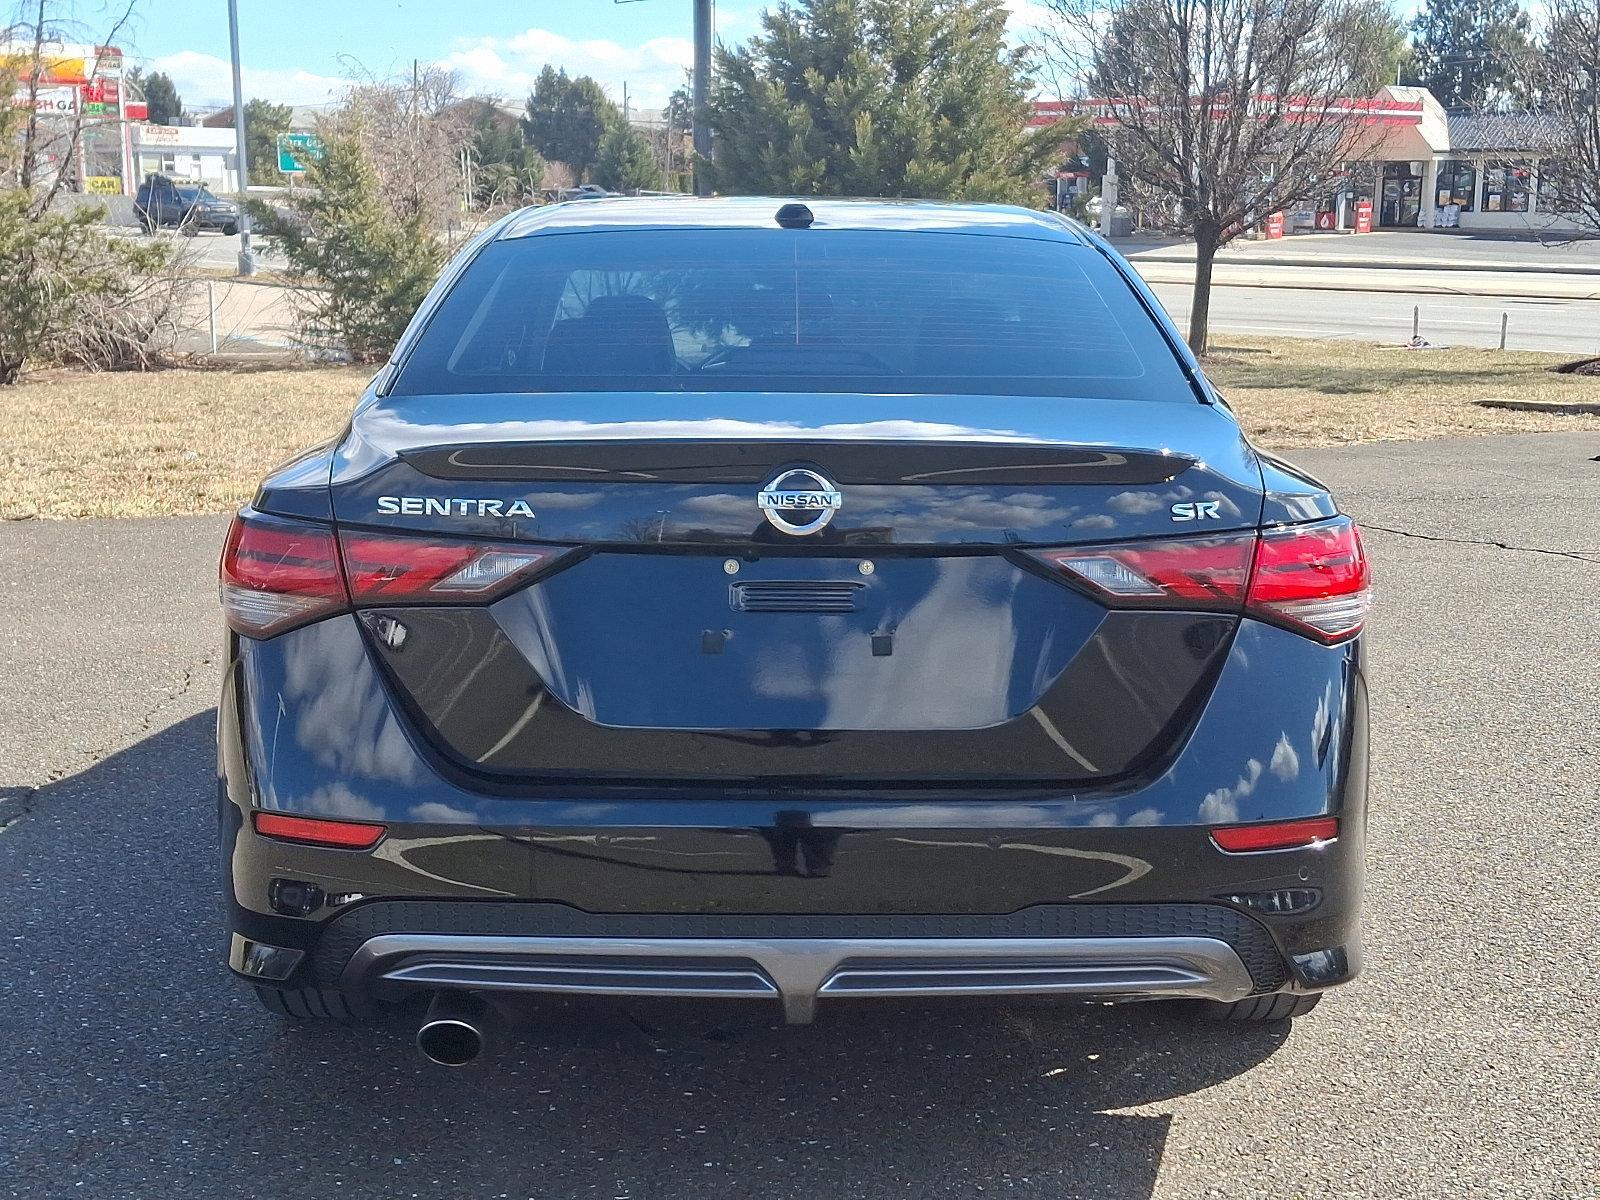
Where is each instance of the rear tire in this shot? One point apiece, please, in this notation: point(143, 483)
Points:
point(1284, 1006)
point(309, 1004)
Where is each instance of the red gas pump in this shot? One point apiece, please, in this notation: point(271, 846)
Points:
point(1273, 225)
point(1363, 216)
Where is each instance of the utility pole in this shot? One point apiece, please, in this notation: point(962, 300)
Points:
point(702, 79)
point(247, 258)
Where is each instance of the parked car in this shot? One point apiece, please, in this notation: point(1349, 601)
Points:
point(775, 601)
point(584, 191)
point(163, 202)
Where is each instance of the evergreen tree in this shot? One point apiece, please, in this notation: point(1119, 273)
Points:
point(566, 118)
point(165, 105)
point(625, 161)
point(1470, 53)
point(506, 169)
point(263, 122)
point(878, 98)
point(369, 267)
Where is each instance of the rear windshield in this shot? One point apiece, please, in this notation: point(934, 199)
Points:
point(781, 310)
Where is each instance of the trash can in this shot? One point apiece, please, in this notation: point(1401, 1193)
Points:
point(1121, 224)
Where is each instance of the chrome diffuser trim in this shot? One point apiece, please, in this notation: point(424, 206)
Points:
point(799, 970)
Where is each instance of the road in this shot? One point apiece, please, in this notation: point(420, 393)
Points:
point(1568, 326)
point(1463, 1065)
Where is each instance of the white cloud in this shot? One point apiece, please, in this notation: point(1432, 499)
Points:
point(507, 67)
point(206, 81)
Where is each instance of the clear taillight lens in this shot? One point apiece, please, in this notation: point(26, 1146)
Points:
point(1313, 578)
point(277, 574)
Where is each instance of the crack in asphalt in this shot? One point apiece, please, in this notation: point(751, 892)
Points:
point(1464, 541)
point(17, 802)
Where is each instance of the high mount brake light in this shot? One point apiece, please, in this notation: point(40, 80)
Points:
point(278, 574)
point(1312, 578)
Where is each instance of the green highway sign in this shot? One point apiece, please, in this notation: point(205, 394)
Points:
point(297, 149)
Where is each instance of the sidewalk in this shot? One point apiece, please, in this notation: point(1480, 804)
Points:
point(1392, 250)
point(1385, 277)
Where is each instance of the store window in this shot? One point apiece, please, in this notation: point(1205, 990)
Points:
point(1558, 188)
point(1458, 185)
point(1507, 187)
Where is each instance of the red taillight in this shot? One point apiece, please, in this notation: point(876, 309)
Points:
point(1275, 835)
point(1176, 572)
point(315, 831)
point(1313, 578)
point(277, 574)
point(388, 569)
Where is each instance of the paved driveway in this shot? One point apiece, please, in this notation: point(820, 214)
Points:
point(1465, 1064)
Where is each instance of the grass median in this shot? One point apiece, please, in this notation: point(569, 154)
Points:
point(181, 441)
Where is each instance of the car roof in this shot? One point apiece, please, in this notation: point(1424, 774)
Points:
point(760, 212)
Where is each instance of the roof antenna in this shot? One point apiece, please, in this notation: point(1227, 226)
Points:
point(795, 216)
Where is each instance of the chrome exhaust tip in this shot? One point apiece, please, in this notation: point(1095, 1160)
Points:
point(455, 1029)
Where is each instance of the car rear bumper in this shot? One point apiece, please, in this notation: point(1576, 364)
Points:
point(1108, 952)
point(1114, 892)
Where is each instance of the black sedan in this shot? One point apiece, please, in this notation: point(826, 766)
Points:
point(780, 601)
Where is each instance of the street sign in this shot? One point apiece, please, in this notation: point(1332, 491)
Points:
point(295, 150)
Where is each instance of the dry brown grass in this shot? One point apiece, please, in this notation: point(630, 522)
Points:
point(1291, 393)
point(77, 445)
point(130, 445)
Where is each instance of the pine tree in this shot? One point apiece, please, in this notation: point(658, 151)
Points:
point(370, 267)
point(263, 122)
point(1469, 53)
point(878, 98)
point(506, 169)
point(162, 99)
point(626, 162)
point(566, 118)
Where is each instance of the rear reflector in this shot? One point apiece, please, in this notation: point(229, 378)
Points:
point(314, 831)
point(1312, 578)
point(277, 574)
point(1275, 835)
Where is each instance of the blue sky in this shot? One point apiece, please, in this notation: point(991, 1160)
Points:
point(298, 51)
point(303, 51)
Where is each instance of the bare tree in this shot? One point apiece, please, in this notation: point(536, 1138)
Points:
point(53, 140)
point(1567, 78)
point(404, 129)
point(1221, 112)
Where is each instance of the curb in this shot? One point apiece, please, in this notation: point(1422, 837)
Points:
point(1376, 264)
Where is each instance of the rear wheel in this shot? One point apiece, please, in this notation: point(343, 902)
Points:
point(309, 1004)
point(1282, 1007)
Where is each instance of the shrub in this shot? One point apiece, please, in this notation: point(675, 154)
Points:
point(363, 267)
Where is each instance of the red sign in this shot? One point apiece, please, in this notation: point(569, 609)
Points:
point(1327, 220)
point(1273, 226)
point(1363, 216)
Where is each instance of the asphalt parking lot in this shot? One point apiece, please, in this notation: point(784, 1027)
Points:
point(1466, 1063)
